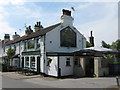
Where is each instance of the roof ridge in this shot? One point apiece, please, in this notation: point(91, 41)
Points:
point(33, 34)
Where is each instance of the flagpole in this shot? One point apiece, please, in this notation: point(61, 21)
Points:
point(73, 9)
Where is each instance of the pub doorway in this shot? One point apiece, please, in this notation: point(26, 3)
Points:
point(38, 64)
point(22, 62)
point(89, 67)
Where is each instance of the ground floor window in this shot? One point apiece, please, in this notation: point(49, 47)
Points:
point(27, 61)
point(16, 63)
point(49, 60)
point(67, 61)
point(76, 62)
point(32, 62)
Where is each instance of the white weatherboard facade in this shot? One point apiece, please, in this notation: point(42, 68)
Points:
point(50, 36)
point(54, 56)
point(66, 70)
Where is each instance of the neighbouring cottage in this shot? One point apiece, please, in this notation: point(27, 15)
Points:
point(48, 50)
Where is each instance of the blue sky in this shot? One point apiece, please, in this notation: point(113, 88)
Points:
point(100, 17)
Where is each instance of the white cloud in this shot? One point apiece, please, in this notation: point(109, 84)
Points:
point(4, 24)
point(14, 2)
point(31, 12)
point(5, 29)
point(72, 0)
point(83, 6)
point(104, 29)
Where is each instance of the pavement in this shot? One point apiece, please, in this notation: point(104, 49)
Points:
point(101, 82)
point(15, 75)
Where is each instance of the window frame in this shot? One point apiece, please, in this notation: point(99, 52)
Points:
point(27, 64)
point(68, 62)
point(38, 43)
point(31, 41)
point(32, 60)
point(69, 43)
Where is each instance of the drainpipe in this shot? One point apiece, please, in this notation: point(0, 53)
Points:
point(19, 54)
point(44, 55)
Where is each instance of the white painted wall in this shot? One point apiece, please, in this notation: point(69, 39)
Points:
point(12, 46)
point(41, 57)
point(21, 47)
point(43, 54)
point(1, 51)
point(66, 70)
point(67, 20)
point(54, 36)
point(52, 69)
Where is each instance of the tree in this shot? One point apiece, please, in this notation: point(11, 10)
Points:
point(114, 45)
point(88, 44)
point(10, 54)
point(105, 45)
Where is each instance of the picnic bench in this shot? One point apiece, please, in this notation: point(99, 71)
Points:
point(26, 71)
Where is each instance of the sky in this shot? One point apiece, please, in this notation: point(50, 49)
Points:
point(99, 16)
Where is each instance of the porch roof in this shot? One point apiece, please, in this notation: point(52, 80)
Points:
point(100, 50)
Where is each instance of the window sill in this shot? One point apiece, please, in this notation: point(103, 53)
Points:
point(68, 66)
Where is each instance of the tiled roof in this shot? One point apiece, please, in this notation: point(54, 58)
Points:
point(33, 35)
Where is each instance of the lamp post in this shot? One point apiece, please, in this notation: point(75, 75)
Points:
point(118, 81)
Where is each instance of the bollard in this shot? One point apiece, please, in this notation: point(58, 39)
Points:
point(118, 81)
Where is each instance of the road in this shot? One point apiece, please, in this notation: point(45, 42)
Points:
point(9, 80)
point(12, 83)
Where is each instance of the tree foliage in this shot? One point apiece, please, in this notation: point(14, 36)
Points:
point(114, 45)
point(88, 44)
point(10, 53)
point(105, 45)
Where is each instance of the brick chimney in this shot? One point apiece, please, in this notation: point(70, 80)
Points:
point(66, 12)
point(91, 38)
point(66, 18)
point(15, 36)
point(6, 38)
point(28, 30)
point(38, 26)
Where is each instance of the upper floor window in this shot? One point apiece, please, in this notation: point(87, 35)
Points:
point(25, 45)
point(38, 43)
point(15, 47)
point(67, 38)
point(31, 44)
point(4, 50)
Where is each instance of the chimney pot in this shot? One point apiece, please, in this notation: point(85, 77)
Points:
point(66, 12)
point(39, 23)
point(91, 33)
point(91, 38)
